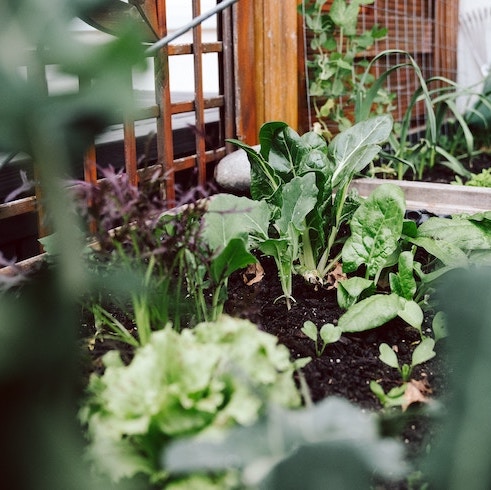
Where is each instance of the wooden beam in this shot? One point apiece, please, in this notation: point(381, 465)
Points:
point(266, 70)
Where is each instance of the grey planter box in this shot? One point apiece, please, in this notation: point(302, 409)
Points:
point(436, 198)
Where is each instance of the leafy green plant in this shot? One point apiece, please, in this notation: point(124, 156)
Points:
point(335, 67)
point(482, 179)
point(306, 183)
point(328, 333)
point(375, 242)
point(205, 379)
point(423, 352)
point(381, 238)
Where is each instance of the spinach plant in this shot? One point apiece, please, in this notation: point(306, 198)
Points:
point(335, 67)
point(306, 182)
point(381, 239)
point(423, 352)
point(375, 242)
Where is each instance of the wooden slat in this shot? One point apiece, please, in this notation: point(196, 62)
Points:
point(226, 76)
point(247, 69)
point(17, 207)
point(164, 121)
point(192, 160)
point(190, 105)
point(199, 98)
point(180, 49)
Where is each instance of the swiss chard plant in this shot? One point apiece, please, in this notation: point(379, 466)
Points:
point(305, 181)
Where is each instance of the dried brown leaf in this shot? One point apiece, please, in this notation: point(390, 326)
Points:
point(253, 274)
point(335, 276)
point(416, 392)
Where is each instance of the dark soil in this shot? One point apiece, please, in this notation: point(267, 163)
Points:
point(443, 175)
point(345, 368)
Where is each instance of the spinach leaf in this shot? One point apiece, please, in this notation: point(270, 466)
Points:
point(376, 227)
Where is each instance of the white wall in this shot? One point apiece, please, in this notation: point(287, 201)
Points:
point(181, 67)
point(474, 48)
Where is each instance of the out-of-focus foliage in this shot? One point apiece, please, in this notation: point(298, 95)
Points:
point(40, 444)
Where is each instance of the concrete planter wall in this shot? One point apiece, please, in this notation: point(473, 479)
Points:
point(436, 198)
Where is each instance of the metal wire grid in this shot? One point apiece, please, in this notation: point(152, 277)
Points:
point(420, 27)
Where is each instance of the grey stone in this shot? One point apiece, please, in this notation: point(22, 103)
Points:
point(233, 172)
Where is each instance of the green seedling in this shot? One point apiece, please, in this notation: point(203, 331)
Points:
point(422, 353)
point(393, 398)
point(396, 396)
point(328, 334)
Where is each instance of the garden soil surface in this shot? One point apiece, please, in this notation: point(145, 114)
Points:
point(346, 367)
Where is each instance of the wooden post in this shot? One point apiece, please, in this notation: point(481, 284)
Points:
point(266, 71)
point(445, 43)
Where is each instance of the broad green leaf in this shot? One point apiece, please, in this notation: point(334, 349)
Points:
point(439, 326)
point(353, 149)
point(264, 182)
point(329, 333)
point(328, 440)
point(267, 134)
point(299, 198)
point(233, 257)
point(292, 155)
point(388, 356)
point(310, 330)
point(462, 233)
point(231, 216)
point(349, 290)
point(403, 283)
point(410, 228)
point(376, 227)
point(370, 313)
point(411, 313)
point(284, 152)
point(448, 253)
point(424, 351)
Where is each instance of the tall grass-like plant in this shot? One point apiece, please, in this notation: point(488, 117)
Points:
point(439, 95)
